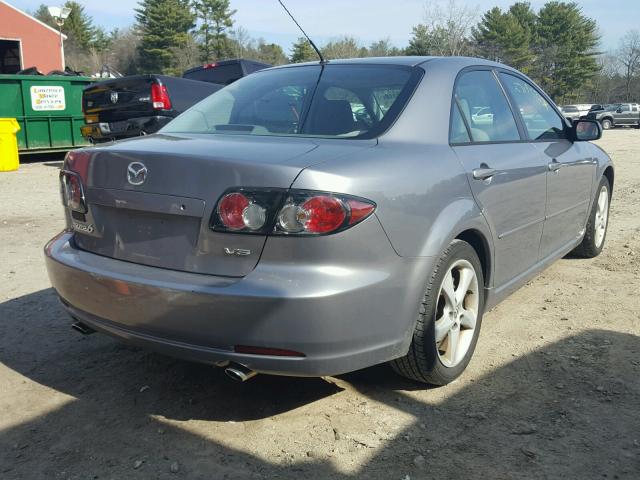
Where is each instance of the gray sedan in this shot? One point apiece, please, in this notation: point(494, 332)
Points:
point(316, 219)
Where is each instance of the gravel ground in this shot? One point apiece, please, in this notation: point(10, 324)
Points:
point(553, 390)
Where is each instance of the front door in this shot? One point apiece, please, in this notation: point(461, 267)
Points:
point(623, 115)
point(570, 168)
point(507, 175)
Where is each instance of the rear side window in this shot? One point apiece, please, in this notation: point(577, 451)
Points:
point(540, 119)
point(484, 108)
point(458, 133)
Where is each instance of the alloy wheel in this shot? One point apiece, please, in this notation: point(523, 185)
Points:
point(602, 216)
point(456, 313)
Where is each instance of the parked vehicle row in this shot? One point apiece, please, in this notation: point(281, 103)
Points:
point(609, 115)
point(616, 115)
point(142, 104)
point(311, 220)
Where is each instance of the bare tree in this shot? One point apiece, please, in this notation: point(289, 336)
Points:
point(629, 58)
point(186, 56)
point(241, 41)
point(449, 24)
point(605, 84)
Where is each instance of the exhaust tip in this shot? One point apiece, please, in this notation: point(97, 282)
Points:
point(239, 373)
point(82, 328)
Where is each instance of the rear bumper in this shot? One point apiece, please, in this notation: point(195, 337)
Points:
point(133, 127)
point(341, 319)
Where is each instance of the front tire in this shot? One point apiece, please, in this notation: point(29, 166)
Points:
point(596, 230)
point(449, 319)
point(607, 124)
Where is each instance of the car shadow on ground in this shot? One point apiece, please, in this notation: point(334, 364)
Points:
point(569, 410)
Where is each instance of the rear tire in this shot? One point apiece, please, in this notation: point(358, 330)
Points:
point(607, 124)
point(596, 231)
point(449, 319)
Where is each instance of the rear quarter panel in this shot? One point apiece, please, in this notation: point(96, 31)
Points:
point(421, 191)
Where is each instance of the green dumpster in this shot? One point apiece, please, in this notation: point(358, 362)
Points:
point(47, 108)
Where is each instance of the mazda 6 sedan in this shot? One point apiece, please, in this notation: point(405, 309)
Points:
point(320, 218)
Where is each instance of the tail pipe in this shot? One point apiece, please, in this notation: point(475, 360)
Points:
point(82, 328)
point(239, 373)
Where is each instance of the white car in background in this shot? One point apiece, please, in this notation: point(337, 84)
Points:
point(482, 116)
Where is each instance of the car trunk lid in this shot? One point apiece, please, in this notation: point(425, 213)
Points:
point(164, 221)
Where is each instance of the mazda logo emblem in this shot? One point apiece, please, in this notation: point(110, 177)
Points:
point(136, 173)
point(114, 97)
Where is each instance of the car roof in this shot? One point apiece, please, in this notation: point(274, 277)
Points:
point(410, 61)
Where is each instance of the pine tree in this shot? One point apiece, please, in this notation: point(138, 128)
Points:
point(271, 53)
point(381, 48)
point(302, 51)
point(215, 17)
point(345, 47)
point(526, 17)
point(79, 27)
point(566, 45)
point(42, 14)
point(432, 41)
point(420, 42)
point(163, 25)
point(500, 37)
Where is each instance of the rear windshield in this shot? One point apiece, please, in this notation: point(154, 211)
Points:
point(349, 101)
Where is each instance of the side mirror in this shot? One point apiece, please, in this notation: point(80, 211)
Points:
point(586, 130)
point(619, 110)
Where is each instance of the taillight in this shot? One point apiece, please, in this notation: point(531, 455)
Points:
point(160, 97)
point(72, 191)
point(293, 212)
point(236, 212)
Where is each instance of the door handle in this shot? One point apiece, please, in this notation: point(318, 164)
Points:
point(483, 173)
point(555, 166)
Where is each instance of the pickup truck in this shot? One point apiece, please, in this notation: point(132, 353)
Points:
point(616, 115)
point(570, 112)
point(142, 104)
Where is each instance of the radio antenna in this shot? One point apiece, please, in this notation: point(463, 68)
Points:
point(322, 60)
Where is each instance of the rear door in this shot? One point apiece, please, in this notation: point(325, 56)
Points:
point(507, 175)
point(571, 168)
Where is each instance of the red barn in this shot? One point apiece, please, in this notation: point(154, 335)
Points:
point(27, 42)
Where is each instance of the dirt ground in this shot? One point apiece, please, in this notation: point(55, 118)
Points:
point(552, 392)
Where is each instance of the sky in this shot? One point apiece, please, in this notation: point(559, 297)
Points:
point(366, 20)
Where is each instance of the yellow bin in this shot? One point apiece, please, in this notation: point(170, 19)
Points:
point(9, 159)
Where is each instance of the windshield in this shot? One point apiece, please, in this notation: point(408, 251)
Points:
point(348, 101)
